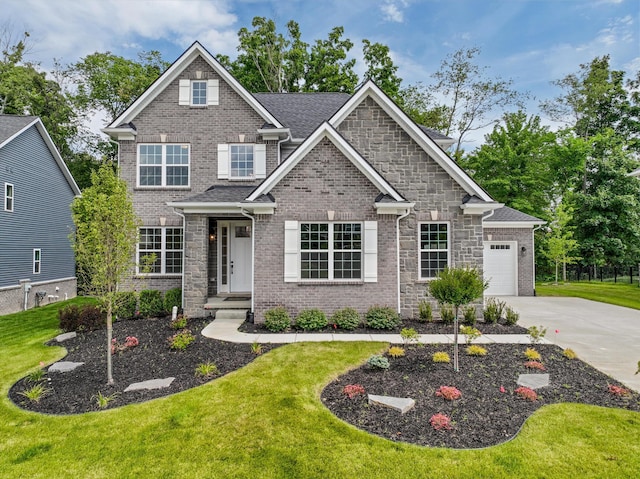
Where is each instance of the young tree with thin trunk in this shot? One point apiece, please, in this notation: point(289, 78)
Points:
point(457, 287)
point(105, 241)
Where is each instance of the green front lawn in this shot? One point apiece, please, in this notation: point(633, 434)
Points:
point(621, 294)
point(266, 421)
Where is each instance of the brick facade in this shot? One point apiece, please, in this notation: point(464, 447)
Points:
point(12, 297)
point(524, 238)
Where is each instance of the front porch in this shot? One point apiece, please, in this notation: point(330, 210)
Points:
point(228, 302)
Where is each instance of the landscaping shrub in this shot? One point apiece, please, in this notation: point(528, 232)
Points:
point(440, 421)
point(126, 305)
point(469, 316)
point(441, 357)
point(353, 390)
point(425, 312)
point(179, 323)
point(277, 319)
point(172, 298)
point(382, 317)
point(378, 362)
point(447, 314)
point(571, 354)
point(151, 304)
point(618, 391)
point(450, 393)
point(534, 365)
point(476, 350)
point(511, 317)
point(396, 351)
point(311, 320)
point(470, 333)
point(181, 340)
point(493, 310)
point(409, 335)
point(86, 318)
point(346, 318)
point(526, 393)
point(532, 355)
point(536, 333)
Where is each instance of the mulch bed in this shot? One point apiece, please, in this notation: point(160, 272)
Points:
point(433, 327)
point(483, 416)
point(74, 392)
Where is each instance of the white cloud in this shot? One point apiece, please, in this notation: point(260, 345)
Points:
point(392, 10)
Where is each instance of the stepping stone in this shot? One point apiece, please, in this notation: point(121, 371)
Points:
point(533, 381)
point(63, 367)
point(63, 337)
point(150, 384)
point(399, 404)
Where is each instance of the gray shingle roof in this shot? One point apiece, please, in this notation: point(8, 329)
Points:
point(434, 134)
point(226, 194)
point(11, 124)
point(506, 214)
point(302, 112)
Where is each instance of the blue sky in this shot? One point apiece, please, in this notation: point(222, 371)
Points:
point(530, 42)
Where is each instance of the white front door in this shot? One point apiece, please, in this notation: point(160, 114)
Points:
point(501, 268)
point(240, 259)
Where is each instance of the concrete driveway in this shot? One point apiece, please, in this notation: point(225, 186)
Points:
point(603, 335)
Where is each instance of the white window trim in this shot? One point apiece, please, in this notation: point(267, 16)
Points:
point(8, 197)
point(206, 94)
point(252, 176)
point(185, 92)
point(37, 262)
point(163, 166)
point(420, 250)
point(163, 252)
point(331, 251)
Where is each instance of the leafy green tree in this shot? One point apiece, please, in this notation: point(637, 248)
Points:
point(561, 247)
point(328, 68)
point(380, 68)
point(110, 83)
point(457, 287)
point(105, 241)
point(516, 163)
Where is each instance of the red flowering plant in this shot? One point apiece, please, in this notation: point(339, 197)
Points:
point(129, 342)
point(353, 390)
point(440, 421)
point(534, 365)
point(526, 393)
point(450, 393)
point(618, 391)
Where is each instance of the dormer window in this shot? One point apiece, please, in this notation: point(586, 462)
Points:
point(198, 93)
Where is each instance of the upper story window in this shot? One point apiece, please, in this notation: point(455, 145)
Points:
point(8, 197)
point(434, 249)
point(163, 165)
point(199, 93)
point(245, 161)
point(37, 260)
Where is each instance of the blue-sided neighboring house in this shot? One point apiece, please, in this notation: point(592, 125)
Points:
point(37, 264)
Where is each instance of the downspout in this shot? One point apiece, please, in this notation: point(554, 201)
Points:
point(253, 250)
point(111, 140)
point(398, 251)
point(533, 246)
point(280, 142)
point(184, 250)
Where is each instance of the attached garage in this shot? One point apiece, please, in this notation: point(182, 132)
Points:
point(508, 258)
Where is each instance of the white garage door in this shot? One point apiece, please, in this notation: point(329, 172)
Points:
point(500, 268)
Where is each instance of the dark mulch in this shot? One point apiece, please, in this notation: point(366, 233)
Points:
point(484, 415)
point(434, 327)
point(73, 392)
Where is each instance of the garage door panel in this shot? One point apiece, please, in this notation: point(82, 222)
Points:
point(500, 268)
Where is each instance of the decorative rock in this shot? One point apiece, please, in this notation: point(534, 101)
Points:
point(64, 336)
point(63, 367)
point(400, 404)
point(533, 381)
point(150, 384)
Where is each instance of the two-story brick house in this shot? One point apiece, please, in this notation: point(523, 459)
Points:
point(303, 200)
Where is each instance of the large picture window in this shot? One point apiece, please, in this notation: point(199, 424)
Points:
point(330, 251)
point(166, 244)
point(434, 249)
point(163, 165)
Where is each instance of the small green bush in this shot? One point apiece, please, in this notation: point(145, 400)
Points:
point(346, 318)
point(396, 352)
point(532, 355)
point(469, 316)
point(571, 354)
point(151, 303)
point(277, 319)
point(476, 350)
point(126, 304)
point(378, 362)
point(425, 311)
point(536, 333)
point(511, 317)
point(311, 320)
point(441, 357)
point(172, 298)
point(179, 323)
point(382, 317)
point(409, 335)
point(181, 340)
point(493, 310)
point(85, 318)
point(447, 314)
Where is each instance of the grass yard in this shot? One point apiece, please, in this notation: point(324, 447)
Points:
point(621, 294)
point(266, 420)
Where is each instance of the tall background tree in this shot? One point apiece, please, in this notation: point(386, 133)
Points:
point(104, 241)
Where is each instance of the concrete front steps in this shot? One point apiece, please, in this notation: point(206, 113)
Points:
point(227, 302)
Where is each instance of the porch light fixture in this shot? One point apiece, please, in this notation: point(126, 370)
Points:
point(523, 250)
point(212, 237)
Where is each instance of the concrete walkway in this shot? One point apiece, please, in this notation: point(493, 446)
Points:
point(226, 329)
point(603, 335)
